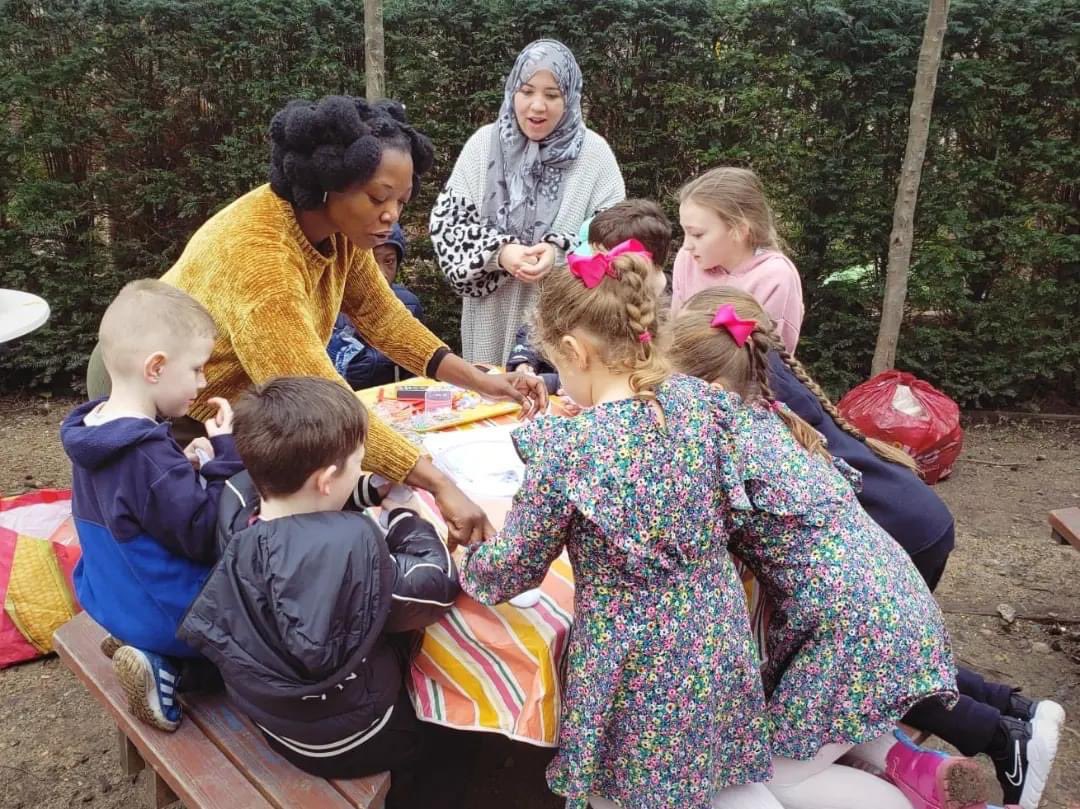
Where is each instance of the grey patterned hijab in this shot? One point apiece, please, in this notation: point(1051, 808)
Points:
point(524, 177)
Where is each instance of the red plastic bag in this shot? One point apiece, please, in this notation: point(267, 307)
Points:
point(900, 409)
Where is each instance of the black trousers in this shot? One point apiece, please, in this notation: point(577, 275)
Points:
point(430, 766)
point(969, 725)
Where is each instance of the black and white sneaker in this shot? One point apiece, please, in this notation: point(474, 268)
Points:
point(1031, 709)
point(1023, 753)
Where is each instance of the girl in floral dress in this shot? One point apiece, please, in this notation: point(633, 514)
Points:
point(662, 705)
point(855, 639)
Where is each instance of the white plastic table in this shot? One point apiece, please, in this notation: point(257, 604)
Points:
point(20, 313)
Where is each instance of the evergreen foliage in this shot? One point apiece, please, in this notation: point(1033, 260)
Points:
point(125, 123)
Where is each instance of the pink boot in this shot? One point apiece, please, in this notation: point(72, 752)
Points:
point(935, 780)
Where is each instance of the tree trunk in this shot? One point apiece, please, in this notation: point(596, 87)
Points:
point(907, 192)
point(374, 50)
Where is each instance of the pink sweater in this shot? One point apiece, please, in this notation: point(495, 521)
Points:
point(769, 276)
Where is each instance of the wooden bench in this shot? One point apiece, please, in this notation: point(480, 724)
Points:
point(217, 759)
point(1065, 526)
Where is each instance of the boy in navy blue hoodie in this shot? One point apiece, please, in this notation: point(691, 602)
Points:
point(145, 508)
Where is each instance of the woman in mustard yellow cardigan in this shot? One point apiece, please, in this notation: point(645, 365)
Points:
point(276, 266)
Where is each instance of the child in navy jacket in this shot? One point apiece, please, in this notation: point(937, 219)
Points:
point(144, 508)
point(360, 364)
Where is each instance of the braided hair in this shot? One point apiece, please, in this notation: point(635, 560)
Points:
point(888, 452)
point(622, 313)
point(708, 353)
point(703, 351)
point(335, 142)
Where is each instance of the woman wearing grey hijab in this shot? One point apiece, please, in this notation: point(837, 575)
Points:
point(517, 197)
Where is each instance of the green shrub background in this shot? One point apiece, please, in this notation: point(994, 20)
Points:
point(125, 123)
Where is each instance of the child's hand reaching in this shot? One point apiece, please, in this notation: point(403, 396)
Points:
point(198, 452)
point(400, 497)
point(222, 422)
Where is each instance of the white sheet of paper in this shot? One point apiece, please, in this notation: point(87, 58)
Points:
point(483, 462)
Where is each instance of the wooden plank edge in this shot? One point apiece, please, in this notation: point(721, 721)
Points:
point(221, 738)
point(146, 740)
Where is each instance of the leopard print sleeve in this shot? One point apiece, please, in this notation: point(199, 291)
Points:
point(560, 241)
point(465, 245)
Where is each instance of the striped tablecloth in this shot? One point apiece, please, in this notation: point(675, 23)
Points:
point(499, 668)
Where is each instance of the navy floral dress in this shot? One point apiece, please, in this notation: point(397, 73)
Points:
point(855, 638)
point(663, 701)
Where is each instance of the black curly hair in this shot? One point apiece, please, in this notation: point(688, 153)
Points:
point(329, 144)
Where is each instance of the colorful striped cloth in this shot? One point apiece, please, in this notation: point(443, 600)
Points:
point(497, 668)
point(500, 668)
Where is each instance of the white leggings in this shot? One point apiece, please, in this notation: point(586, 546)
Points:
point(819, 783)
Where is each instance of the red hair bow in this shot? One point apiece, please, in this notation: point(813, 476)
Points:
point(739, 329)
point(592, 269)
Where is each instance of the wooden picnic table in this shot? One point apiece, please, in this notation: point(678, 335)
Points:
point(496, 669)
point(216, 759)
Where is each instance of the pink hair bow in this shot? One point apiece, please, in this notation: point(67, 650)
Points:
point(738, 328)
point(592, 269)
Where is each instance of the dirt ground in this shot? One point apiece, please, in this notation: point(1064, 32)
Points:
point(57, 747)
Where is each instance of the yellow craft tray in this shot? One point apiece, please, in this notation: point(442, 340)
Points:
point(488, 410)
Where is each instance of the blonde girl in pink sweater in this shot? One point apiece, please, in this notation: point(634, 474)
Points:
point(730, 240)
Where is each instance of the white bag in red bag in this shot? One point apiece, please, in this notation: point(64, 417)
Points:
point(901, 409)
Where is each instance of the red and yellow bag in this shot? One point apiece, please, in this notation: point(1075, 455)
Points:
point(38, 552)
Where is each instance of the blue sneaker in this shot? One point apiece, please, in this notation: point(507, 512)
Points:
point(150, 682)
point(109, 645)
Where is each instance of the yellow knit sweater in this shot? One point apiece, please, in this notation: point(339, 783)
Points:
point(275, 297)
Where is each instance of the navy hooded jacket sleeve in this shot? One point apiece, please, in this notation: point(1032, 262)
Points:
point(408, 297)
point(178, 512)
point(525, 353)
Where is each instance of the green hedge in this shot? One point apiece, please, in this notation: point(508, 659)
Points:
point(125, 123)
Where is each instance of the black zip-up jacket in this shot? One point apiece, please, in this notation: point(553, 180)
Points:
point(296, 615)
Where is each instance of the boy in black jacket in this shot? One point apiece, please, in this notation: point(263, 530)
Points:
point(310, 613)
